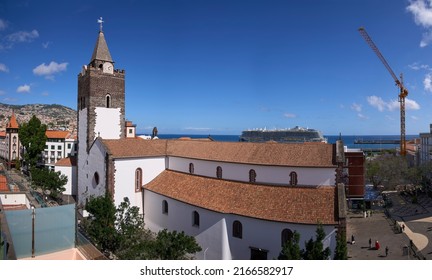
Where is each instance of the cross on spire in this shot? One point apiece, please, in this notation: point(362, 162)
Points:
point(100, 21)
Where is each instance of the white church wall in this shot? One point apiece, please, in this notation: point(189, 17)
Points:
point(107, 123)
point(264, 174)
point(93, 163)
point(215, 231)
point(70, 173)
point(125, 177)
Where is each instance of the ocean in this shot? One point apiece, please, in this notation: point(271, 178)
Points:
point(348, 140)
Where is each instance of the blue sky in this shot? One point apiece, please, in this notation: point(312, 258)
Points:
point(222, 66)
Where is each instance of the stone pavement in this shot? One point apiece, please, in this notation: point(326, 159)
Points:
point(387, 229)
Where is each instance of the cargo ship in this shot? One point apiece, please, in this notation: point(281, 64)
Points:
point(289, 135)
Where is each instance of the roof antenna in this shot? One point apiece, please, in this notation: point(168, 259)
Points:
point(100, 21)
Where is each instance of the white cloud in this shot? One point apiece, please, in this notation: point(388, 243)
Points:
point(356, 107)
point(427, 82)
point(422, 12)
point(417, 66)
point(361, 116)
point(46, 45)
point(3, 24)
point(3, 68)
point(49, 70)
point(414, 118)
point(392, 105)
point(23, 36)
point(411, 104)
point(2, 92)
point(23, 88)
point(376, 102)
point(289, 115)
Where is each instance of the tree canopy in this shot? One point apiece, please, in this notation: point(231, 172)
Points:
point(50, 181)
point(33, 138)
point(121, 231)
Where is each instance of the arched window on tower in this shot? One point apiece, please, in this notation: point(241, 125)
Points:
point(293, 179)
point(108, 101)
point(286, 236)
point(164, 207)
point(252, 176)
point(138, 179)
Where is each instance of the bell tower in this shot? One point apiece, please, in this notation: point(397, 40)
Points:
point(101, 113)
point(101, 97)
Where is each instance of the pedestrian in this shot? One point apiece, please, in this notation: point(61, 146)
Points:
point(386, 250)
point(403, 227)
point(352, 239)
point(370, 243)
point(377, 245)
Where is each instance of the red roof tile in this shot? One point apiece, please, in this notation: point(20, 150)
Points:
point(69, 161)
point(304, 205)
point(57, 134)
point(3, 184)
point(302, 154)
point(13, 123)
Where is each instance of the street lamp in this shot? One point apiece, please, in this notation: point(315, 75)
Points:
point(33, 230)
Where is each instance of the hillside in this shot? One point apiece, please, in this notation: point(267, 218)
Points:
point(55, 116)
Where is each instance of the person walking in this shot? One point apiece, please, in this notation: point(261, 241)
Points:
point(370, 243)
point(352, 239)
point(377, 245)
point(386, 250)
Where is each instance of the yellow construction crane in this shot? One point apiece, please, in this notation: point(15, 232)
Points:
point(403, 91)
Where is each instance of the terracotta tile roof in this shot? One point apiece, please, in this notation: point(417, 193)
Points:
point(69, 161)
point(57, 134)
point(13, 123)
point(135, 147)
point(303, 205)
point(307, 154)
point(3, 134)
point(3, 184)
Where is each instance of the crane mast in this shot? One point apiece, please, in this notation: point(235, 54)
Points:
point(403, 91)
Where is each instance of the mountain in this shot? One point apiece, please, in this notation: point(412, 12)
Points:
point(56, 117)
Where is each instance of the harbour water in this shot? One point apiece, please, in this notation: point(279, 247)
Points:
point(349, 140)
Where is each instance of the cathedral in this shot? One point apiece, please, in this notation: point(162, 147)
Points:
point(239, 200)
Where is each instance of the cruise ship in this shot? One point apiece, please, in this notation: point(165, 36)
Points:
point(290, 135)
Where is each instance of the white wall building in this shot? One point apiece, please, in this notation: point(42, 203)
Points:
point(426, 146)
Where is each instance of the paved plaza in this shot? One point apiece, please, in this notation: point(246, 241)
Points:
point(406, 229)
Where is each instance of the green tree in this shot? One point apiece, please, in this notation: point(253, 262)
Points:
point(387, 169)
point(314, 250)
point(33, 138)
point(174, 245)
point(49, 180)
point(101, 227)
point(135, 242)
point(291, 248)
point(341, 251)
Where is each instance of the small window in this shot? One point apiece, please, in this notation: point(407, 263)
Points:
point(165, 207)
point(96, 178)
point(108, 101)
point(252, 176)
point(138, 179)
point(191, 168)
point(219, 172)
point(59, 147)
point(286, 236)
point(237, 229)
point(293, 179)
point(195, 219)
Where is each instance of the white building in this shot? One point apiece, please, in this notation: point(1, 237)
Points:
point(59, 145)
point(240, 200)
